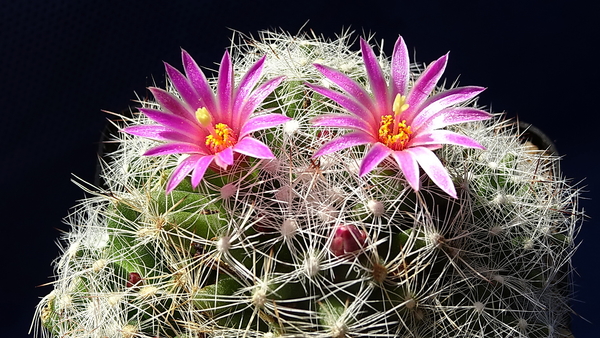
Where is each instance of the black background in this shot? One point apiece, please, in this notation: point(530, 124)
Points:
point(62, 62)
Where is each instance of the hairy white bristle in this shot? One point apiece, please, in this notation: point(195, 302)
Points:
point(291, 127)
point(288, 228)
point(259, 297)
point(376, 207)
point(312, 265)
point(223, 244)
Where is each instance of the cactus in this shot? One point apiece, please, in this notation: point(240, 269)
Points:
point(297, 245)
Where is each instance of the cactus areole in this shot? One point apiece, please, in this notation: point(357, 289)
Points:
point(312, 190)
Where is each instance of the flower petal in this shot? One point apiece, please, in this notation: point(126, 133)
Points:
point(224, 158)
point(345, 141)
point(247, 83)
point(349, 103)
point(444, 137)
point(183, 87)
point(347, 84)
point(341, 121)
point(159, 133)
point(433, 168)
point(376, 79)
point(410, 168)
point(453, 115)
point(424, 86)
point(376, 155)
point(253, 147)
point(175, 148)
point(200, 169)
point(400, 68)
point(255, 99)
point(262, 122)
point(224, 91)
point(174, 122)
point(171, 103)
point(443, 100)
point(182, 170)
point(198, 81)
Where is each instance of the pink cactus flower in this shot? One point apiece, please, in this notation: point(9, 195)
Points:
point(402, 119)
point(209, 128)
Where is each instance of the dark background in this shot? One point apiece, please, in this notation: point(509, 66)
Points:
point(62, 62)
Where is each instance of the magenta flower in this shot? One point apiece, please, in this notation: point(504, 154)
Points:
point(209, 128)
point(397, 120)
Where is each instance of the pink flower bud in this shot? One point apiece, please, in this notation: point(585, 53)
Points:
point(346, 239)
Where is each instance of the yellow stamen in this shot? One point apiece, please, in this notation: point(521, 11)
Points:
point(222, 137)
point(392, 132)
point(203, 116)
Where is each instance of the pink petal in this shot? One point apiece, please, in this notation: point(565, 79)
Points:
point(247, 83)
point(253, 147)
point(435, 137)
point(349, 103)
point(433, 168)
point(443, 100)
point(376, 155)
point(182, 170)
point(262, 122)
point(170, 103)
point(224, 91)
point(175, 148)
point(341, 121)
point(376, 79)
point(347, 84)
point(410, 168)
point(199, 82)
point(450, 116)
point(400, 68)
point(424, 86)
point(174, 122)
point(254, 100)
point(433, 146)
point(159, 133)
point(345, 141)
point(183, 87)
point(200, 168)
point(224, 158)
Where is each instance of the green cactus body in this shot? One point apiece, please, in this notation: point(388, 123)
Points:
point(249, 252)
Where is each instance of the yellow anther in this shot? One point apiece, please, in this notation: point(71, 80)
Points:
point(222, 137)
point(203, 116)
point(384, 129)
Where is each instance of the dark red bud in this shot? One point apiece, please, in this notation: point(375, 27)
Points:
point(134, 279)
point(346, 239)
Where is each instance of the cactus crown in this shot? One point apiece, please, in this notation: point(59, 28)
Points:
point(296, 245)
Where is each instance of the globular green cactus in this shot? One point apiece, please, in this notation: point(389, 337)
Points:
point(305, 246)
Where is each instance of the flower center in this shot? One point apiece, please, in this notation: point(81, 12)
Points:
point(394, 132)
point(221, 135)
